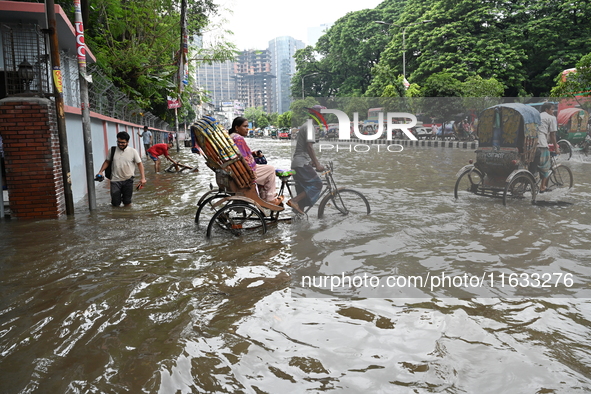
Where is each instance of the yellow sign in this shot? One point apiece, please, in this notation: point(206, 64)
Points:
point(57, 79)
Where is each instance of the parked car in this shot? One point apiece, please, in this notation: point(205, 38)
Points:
point(422, 132)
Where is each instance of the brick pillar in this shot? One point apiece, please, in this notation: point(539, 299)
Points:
point(28, 126)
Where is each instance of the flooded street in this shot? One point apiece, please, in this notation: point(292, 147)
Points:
point(139, 300)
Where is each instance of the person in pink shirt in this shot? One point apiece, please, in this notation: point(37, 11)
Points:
point(265, 174)
point(155, 151)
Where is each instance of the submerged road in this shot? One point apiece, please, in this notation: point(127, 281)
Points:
point(138, 300)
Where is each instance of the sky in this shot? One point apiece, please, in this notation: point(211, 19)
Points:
point(256, 22)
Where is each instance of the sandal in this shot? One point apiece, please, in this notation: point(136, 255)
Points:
point(295, 207)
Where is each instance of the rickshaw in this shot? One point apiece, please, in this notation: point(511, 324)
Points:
point(504, 160)
point(572, 131)
point(236, 205)
point(463, 131)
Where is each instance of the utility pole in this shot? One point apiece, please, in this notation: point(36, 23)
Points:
point(403, 40)
point(85, 105)
point(182, 59)
point(59, 105)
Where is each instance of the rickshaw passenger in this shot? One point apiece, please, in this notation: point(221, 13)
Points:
point(546, 134)
point(265, 174)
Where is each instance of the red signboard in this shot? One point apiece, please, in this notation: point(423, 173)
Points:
point(173, 103)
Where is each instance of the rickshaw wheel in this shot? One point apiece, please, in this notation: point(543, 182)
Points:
point(560, 178)
point(468, 183)
point(209, 201)
point(237, 218)
point(521, 188)
point(565, 149)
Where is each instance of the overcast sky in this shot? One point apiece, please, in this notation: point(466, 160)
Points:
point(256, 22)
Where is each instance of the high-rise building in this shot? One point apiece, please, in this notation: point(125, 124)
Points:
point(219, 80)
point(253, 79)
point(282, 51)
point(314, 33)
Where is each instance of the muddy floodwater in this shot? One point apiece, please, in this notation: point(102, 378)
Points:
point(139, 300)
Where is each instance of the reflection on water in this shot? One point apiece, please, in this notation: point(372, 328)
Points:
point(137, 300)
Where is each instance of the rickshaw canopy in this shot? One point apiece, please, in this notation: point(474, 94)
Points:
point(577, 116)
point(508, 125)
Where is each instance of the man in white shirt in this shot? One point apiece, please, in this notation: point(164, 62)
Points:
point(546, 134)
point(146, 138)
point(123, 170)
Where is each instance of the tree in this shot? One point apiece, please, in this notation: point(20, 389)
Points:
point(284, 120)
point(463, 39)
point(257, 115)
point(479, 93)
point(555, 35)
point(347, 52)
point(577, 82)
point(273, 118)
point(352, 46)
point(137, 43)
point(443, 92)
point(523, 44)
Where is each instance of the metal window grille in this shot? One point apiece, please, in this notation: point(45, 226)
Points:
point(28, 72)
point(26, 61)
point(105, 98)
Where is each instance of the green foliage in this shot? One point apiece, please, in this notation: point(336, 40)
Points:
point(476, 86)
point(258, 116)
point(479, 93)
point(315, 76)
point(273, 118)
point(442, 84)
point(443, 91)
point(575, 83)
point(137, 44)
point(347, 52)
point(284, 120)
point(383, 82)
point(354, 104)
point(555, 35)
point(522, 44)
point(466, 39)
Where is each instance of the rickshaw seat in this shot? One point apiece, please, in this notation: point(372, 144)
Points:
point(284, 174)
point(232, 173)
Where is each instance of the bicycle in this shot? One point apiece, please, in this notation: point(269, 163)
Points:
point(240, 216)
point(333, 199)
point(561, 176)
point(521, 187)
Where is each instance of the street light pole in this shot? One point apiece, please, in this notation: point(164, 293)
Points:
point(307, 75)
point(404, 39)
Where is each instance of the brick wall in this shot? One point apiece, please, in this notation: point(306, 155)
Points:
point(28, 126)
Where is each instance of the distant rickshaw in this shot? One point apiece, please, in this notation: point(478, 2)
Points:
point(504, 167)
point(572, 131)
